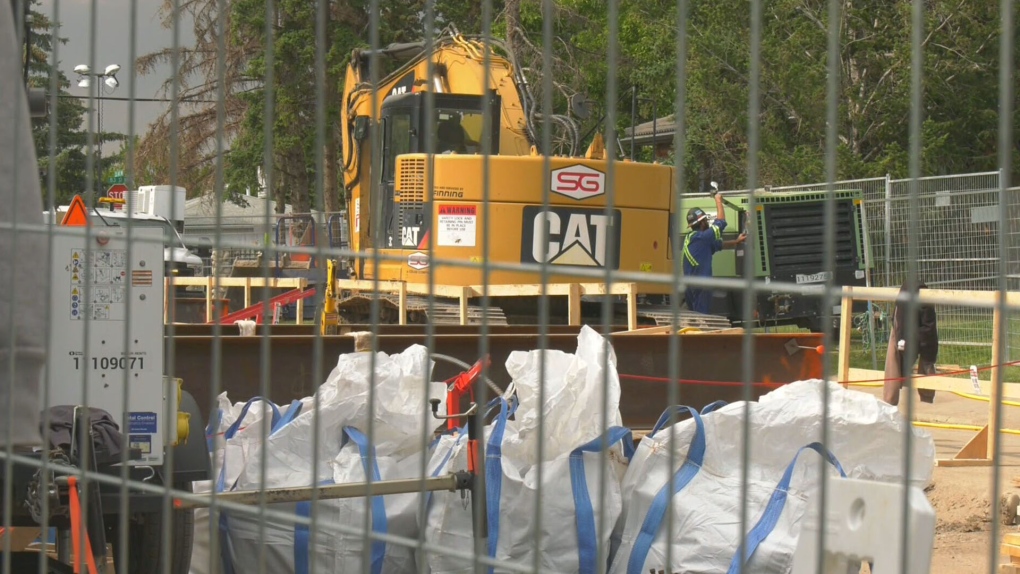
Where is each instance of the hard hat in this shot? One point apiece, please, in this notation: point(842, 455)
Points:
point(695, 215)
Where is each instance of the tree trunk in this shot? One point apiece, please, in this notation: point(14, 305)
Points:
point(513, 26)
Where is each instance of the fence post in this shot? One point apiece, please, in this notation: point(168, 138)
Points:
point(993, 393)
point(888, 228)
point(846, 322)
point(209, 300)
point(574, 304)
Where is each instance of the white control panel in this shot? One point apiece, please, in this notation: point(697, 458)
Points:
point(107, 330)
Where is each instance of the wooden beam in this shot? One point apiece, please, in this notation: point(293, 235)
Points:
point(632, 306)
point(574, 302)
point(300, 310)
point(935, 383)
point(272, 282)
point(994, 398)
point(208, 299)
point(846, 320)
point(934, 296)
point(247, 292)
point(465, 295)
point(402, 304)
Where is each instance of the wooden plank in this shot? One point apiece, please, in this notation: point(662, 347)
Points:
point(300, 310)
point(935, 383)
point(1011, 538)
point(1009, 550)
point(632, 306)
point(936, 296)
point(962, 462)
point(247, 292)
point(993, 413)
point(1009, 568)
point(508, 290)
point(208, 300)
point(972, 453)
point(402, 304)
point(574, 303)
point(845, 330)
point(465, 294)
point(273, 282)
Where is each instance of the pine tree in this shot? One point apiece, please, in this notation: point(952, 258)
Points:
point(68, 156)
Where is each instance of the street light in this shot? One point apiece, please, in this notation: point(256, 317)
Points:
point(109, 76)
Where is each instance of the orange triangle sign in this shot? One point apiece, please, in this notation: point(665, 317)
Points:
point(77, 215)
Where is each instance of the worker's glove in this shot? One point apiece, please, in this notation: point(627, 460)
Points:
point(901, 345)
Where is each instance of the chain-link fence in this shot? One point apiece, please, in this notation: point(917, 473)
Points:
point(957, 231)
point(512, 366)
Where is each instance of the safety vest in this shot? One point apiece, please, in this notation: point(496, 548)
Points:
point(687, 245)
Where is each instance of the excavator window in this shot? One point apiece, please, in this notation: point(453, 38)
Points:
point(400, 134)
point(458, 131)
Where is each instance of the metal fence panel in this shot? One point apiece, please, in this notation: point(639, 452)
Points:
point(442, 249)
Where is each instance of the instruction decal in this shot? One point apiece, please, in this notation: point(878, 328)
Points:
point(98, 284)
point(142, 423)
point(571, 237)
point(458, 225)
point(142, 442)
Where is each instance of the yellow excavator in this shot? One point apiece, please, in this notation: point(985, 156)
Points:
point(401, 200)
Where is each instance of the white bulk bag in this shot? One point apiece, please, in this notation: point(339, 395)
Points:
point(286, 458)
point(571, 466)
point(287, 546)
point(219, 422)
point(398, 427)
point(865, 439)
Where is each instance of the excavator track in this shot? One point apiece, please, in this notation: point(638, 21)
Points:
point(357, 309)
point(663, 317)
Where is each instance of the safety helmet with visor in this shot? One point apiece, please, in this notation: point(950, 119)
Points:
point(695, 216)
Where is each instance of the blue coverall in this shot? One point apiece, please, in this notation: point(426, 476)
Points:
point(699, 247)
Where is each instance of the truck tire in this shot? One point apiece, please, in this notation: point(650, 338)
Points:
point(146, 539)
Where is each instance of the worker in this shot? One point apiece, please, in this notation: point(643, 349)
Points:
point(925, 344)
point(702, 242)
point(451, 137)
point(23, 261)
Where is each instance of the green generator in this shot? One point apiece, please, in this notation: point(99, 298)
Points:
point(790, 248)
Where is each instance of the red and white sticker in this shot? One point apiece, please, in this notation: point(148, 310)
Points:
point(457, 225)
point(578, 182)
point(418, 260)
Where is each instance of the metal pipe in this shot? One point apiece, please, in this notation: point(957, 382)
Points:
point(450, 482)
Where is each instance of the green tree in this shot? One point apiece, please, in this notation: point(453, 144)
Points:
point(68, 158)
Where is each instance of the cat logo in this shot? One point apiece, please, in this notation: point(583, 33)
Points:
point(578, 182)
point(574, 237)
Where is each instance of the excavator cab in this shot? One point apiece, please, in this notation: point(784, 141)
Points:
point(457, 125)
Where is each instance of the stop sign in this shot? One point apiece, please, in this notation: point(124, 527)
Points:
point(117, 191)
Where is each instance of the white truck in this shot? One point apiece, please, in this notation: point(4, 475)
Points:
point(151, 208)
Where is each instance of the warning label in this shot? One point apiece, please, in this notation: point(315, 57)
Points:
point(457, 225)
point(106, 275)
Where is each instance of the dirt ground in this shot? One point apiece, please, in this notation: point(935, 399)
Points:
point(961, 495)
